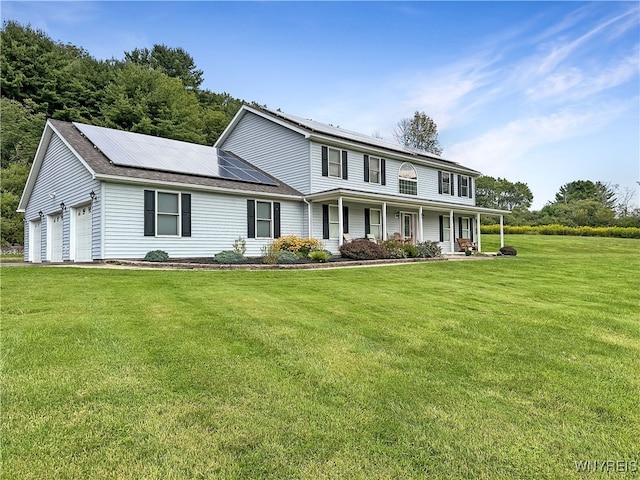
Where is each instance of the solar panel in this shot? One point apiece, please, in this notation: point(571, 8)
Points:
point(155, 153)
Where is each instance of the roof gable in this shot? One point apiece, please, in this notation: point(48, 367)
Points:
point(49, 131)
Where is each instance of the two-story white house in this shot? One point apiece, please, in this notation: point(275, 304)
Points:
point(95, 193)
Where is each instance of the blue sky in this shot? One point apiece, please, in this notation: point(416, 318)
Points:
point(539, 92)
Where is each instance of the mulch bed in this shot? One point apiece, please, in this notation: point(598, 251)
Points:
point(256, 263)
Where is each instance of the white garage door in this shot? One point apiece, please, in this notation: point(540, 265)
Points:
point(55, 236)
point(84, 226)
point(35, 242)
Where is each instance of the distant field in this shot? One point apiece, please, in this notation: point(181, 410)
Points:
point(509, 368)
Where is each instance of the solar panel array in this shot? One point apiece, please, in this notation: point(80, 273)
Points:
point(233, 167)
point(155, 153)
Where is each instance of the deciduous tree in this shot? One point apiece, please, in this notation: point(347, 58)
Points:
point(419, 132)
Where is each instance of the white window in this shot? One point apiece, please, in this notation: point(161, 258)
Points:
point(407, 179)
point(464, 188)
point(445, 183)
point(374, 170)
point(446, 229)
point(466, 228)
point(168, 214)
point(335, 163)
point(375, 223)
point(334, 222)
point(264, 219)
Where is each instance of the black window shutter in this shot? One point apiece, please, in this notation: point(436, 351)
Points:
point(325, 221)
point(460, 227)
point(325, 161)
point(345, 176)
point(471, 228)
point(186, 214)
point(441, 219)
point(439, 181)
point(459, 185)
point(251, 219)
point(149, 213)
point(345, 219)
point(366, 168)
point(470, 187)
point(276, 219)
point(383, 172)
point(367, 221)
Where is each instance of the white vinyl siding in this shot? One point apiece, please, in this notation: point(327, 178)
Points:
point(216, 221)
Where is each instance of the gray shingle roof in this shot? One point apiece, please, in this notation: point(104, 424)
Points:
point(101, 165)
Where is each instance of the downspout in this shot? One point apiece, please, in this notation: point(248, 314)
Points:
point(420, 232)
point(309, 229)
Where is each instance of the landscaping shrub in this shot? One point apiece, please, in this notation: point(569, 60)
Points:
point(320, 255)
point(156, 256)
point(269, 254)
point(410, 251)
point(297, 245)
point(394, 248)
point(286, 257)
point(429, 249)
point(229, 256)
point(240, 245)
point(363, 249)
point(508, 250)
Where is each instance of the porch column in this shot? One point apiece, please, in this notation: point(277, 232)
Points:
point(384, 221)
point(478, 232)
point(501, 232)
point(452, 231)
point(420, 234)
point(340, 222)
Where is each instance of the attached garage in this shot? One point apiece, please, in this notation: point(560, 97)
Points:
point(83, 238)
point(54, 244)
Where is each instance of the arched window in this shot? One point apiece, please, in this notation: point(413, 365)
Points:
point(407, 179)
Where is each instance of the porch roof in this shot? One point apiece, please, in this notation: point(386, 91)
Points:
point(359, 196)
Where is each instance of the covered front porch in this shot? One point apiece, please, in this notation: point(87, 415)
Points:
point(340, 215)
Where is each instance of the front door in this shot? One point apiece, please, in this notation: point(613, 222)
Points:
point(408, 227)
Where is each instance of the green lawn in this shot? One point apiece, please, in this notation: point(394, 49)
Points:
point(508, 368)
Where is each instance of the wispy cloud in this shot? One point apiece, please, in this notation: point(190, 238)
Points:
point(494, 150)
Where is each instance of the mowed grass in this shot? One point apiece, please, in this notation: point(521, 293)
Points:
point(507, 368)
